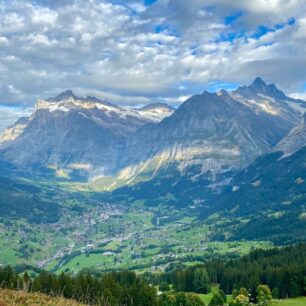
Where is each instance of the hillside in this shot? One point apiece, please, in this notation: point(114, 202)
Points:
point(268, 199)
point(21, 298)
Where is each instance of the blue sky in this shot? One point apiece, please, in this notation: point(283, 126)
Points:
point(133, 52)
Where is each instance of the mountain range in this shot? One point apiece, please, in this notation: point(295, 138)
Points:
point(211, 136)
point(67, 133)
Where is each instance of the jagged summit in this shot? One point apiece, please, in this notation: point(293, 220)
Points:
point(222, 92)
point(69, 94)
point(259, 82)
point(260, 87)
point(63, 95)
point(76, 133)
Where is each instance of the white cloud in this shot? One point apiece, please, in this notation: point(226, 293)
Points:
point(299, 95)
point(132, 54)
point(4, 41)
point(8, 116)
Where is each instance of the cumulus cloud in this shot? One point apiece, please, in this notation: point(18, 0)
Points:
point(130, 53)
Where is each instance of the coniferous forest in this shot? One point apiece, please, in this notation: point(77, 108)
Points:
point(257, 278)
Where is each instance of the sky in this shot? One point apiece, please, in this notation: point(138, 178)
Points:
point(131, 52)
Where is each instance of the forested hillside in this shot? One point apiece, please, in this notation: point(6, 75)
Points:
point(283, 270)
point(261, 275)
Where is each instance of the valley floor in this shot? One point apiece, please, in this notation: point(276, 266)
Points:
point(106, 236)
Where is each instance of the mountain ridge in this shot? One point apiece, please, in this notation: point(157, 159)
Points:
point(72, 133)
point(200, 119)
point(212, 133)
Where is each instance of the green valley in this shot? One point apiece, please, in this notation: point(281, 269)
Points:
point(92, 232)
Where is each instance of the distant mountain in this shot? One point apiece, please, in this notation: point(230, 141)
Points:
point(67, 134)
point(212, 134)
point(155, 111)
point(262, 97)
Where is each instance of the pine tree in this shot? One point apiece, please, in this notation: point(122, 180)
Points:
point(26, 281)
point(217, 300)
point(201, 281)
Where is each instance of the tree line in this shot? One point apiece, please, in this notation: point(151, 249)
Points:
point(282, 269)
point(257, 277)
point(110, 289)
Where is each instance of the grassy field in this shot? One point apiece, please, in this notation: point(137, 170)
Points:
point(20, 298)
point(301, 301)
point(206, 298)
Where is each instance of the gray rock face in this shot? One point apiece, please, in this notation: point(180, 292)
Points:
point(67, 132)
point(260, 87)
point(208, 135)
point(212, 133)
point(294, 141)
point(262, 97)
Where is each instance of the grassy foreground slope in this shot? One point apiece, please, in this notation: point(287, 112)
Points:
point(301, 301)
point(10, 297)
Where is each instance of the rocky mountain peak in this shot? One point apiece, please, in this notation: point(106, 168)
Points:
point(63, 95)
point(260, 87)
point(223, 92)
point(259, 83)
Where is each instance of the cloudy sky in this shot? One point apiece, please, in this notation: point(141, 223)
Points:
point(133, 52)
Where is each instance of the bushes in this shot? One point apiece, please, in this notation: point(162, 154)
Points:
point(180, 299)
point(218, 299)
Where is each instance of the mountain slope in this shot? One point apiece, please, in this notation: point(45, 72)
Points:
point(265, 201)
point(294, 141)
point(269, 196)
point(22, 200)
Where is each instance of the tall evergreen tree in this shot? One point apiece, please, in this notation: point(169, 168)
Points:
point(201, 281)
